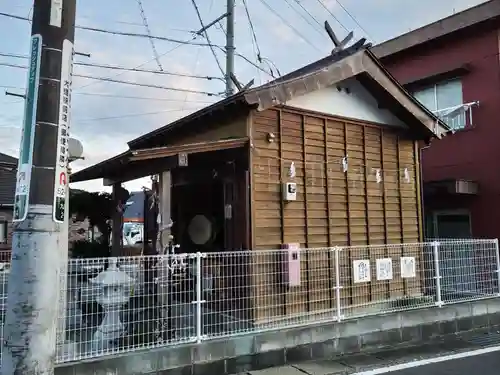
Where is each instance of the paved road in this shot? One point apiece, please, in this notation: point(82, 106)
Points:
point(485, 364)
point(452, 358)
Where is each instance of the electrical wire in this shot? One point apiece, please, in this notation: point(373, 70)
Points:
point(92, 119)
point(116, 67)
point(148, 31)
point(291, 27)
point(138, 66)
point(333, 15)
point(254, 37)
point(314, 26)
point(150, 98)
point(122, 33)
point(77, 120)
point(256, 47)
point(354, 19)
point(106, 79)
point(205, 32)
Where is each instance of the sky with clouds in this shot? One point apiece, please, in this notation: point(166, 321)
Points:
point(106, 115)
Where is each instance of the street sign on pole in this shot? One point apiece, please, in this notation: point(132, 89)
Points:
point(61, 178)
point(39, 251)
point(21, 198)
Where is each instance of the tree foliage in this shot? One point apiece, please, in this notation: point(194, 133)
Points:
point(97, 207)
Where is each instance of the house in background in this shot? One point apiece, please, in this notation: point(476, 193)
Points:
point(8, 171)
point(453, 67)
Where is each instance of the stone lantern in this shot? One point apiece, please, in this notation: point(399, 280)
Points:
point(114, 292)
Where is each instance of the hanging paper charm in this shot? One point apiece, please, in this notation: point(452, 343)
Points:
point(344, 164)
point(291, 171)
point(378, 175)
point(407, 175)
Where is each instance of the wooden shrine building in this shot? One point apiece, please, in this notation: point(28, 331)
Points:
point(341, 134)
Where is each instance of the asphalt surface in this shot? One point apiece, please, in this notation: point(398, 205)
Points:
point(485, 364)
point(476, 355)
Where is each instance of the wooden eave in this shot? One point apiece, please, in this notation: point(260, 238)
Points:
point(191, 148)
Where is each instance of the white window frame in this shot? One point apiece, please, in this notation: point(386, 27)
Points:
point(462, 124)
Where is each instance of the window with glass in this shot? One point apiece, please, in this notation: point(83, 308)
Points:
point(445, 100)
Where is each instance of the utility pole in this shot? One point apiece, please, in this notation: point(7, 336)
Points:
point(40, 199)
point(229, 47)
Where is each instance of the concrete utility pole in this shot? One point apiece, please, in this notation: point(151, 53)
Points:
point(229, 47)
point(41, 194)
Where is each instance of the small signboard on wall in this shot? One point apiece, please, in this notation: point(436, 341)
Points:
point(384, 269)
point(182, 159)
point(408, 267)
point(361, 271)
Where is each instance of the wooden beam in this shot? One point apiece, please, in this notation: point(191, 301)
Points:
point(282, 203)
point(306, 206)
point(367, 211)
point(418, 182)
point(135, 170)
point(349, 241)
point(401, 228)
point(384, 204)
point(117, 224)
point(331, 275)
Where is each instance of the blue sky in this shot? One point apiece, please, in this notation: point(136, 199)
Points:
point(104, 120)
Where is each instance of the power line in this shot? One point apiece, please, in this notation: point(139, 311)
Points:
point(205, 32)
point(117, 96)
point(122, 33)
point(116, 67)
point(354, 19)
point(314, 26)
point(291, 27)
point(136, 114)
point(138, 66)
point(254, 36)
point(148, 31)
point(105, 79)
point(254, 64)
point(333, 15)
point(92, 119)
point(151, 98)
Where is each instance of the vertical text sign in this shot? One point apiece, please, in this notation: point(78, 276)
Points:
point(61, 171)
point(21, 198)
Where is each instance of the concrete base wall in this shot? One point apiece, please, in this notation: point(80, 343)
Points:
point(253, 352)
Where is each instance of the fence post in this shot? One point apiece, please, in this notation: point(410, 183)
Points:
point(437, 276)
point(497, 254)
point(199, 297)
point(337, 287)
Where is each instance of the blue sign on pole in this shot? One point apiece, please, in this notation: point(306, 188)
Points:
point(21, 198)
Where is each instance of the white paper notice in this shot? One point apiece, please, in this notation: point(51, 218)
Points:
point(56, 7)
point(408, 267)
point(384, 269)
point(361, 271)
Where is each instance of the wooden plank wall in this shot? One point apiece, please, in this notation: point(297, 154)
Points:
point(332, 207)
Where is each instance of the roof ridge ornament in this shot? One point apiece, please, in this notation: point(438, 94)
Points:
point(341, 44)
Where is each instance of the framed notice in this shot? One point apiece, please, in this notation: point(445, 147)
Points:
point(384, 269)
point(361, 271)
point(408, 267)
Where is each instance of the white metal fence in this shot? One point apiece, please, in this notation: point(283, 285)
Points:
point(121, 304)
